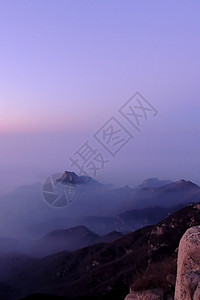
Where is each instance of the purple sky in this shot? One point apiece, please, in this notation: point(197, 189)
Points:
point(68, 66)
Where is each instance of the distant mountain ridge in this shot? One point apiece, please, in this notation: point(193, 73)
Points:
point(153, 183)
point(70, 239)
point(181, 185)
point(25, 214)
point(129, 220)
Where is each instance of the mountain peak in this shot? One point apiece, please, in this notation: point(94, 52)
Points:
point(73, 178)
point(77, 230)
point(153, 183)
point(185, 182)
point(182, 185)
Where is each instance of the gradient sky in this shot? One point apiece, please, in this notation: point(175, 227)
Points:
point(67, 66)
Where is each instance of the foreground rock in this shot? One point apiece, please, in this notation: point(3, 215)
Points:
point(188, 272)
point(154, 294)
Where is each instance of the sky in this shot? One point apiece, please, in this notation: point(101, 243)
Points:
point(66, 68)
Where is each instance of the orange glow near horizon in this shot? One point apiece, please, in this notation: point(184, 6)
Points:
point(39, 124)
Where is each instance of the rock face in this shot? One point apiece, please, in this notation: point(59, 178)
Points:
point(154, 294)
point(188, 266)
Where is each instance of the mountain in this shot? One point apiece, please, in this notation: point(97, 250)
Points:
point(138, 218)
point(25, 214)
point(153, 183)
point(69, 240)
point(142, 259)
point(72, 178)
point(181, 185)
point(129, 220)
point(180, 192)
point(125, 222)
point(21, 209)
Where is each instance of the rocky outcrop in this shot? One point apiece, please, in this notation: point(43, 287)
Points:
point(153, 294)
point(188, 266)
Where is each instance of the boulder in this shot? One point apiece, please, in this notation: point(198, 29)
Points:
point(153, 294)
point(188, 266)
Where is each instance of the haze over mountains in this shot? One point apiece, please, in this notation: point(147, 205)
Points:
point(94, 235)
point(25, 214)
point(26, 218)
point(70, 239)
